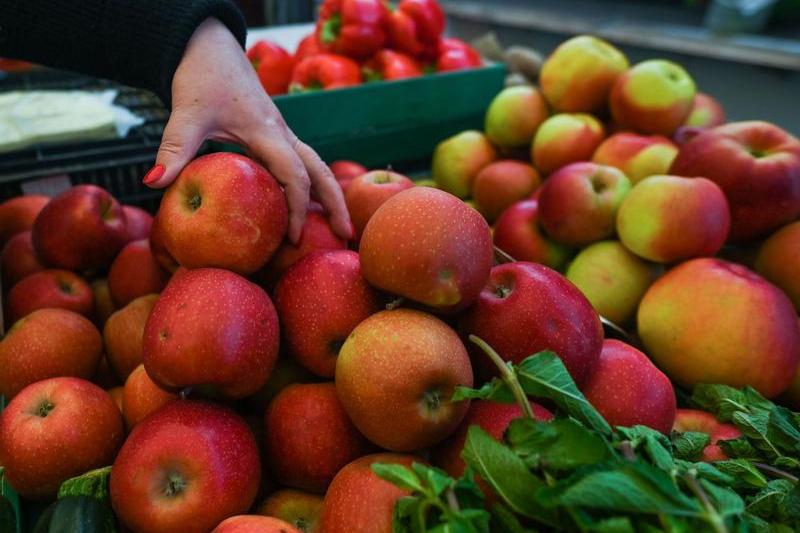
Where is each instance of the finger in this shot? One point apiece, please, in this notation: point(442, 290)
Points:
point(287, 168)
point(182, 138)
point(328, 190)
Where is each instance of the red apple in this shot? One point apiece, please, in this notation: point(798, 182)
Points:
point(139, 222)
point(637, 156)
point(395, 376)
point(123, 333)
point(56, 429)
point(159, 247)
point(135, 272)
point(501, 184)
point(309, 437)
point(706, 112)
point(368, 192)
point(358, 501)
point(80, 229)
point(185, 468)
point(628, 389)
point(427, 245)
point(526, 308)
point(211, 328)
point(61, 289)
point(320, 300)
point(346, 171)
point(757, 165)
point(19, 259)
point(45, 344)
point(141, 397)
point(700, 421)
point(18, 214)
point(254, 524)
point(778, 260)
point(517, 233)
point(224, 210)
point(578, 204)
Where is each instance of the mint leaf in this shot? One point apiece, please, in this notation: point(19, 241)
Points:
point(739, 448)
point(8, 518)
point(93, 483)
point(504, 521)
point(545, 376)
point(726, 502)
point(436, 479)
point(495, 390)
point(779, 500)
point(743, 472)
point(689, 445)
point(506, 473)
point(560, 444)
point(405, 512)
point(704, 471)
point(724, 400)
point(756, 426)
point(783, 430)
point(398, 475)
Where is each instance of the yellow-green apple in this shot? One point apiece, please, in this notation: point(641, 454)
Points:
point(301, 509)
point(703, 422)
point(135, 272)
point(458, 159)
point(123, 333)
point(103, 304)
point(671, 218)
point(60, 289)
point(501, 184)
point(224, 210)
point(706, 112)
point(56, 429)
point(19, 259)
point(612, 278)
point(517, 233)
point(320, 300)
point(654, 96)
point(138, 221)
point(778, 260)
point(628, 389)
point(711, 321)
point(578, 203)
point(317, 234)
point(214, 329)
point(492, 417)
point(309, 437)
point(142, 397)
point(368, 192)
point(637, 156)
point(159, 247)
point(18, 214)
point(254, 524)
point(427, 245)
point(80, 229)
point(565, 138)
point(45, 344)
point(579, 74)
point(185, 468)
point(116, 395)
point(757, 165)
point(526, 308)
point(395, 376)
point(358, 501)
point(514, 115)
point(346, 171)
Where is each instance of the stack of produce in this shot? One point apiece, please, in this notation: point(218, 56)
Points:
point(256, 385)
point(359, 41)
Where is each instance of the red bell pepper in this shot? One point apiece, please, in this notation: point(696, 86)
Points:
point(416, 26)
point(273, 66)
point(308, 47)
point(455, 54)
point(325, 71)
point(391, 65)
point(355, 28)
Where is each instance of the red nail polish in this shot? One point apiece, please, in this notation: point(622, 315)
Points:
point(154, 174)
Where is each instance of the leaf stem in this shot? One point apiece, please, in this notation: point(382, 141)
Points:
point(452, 501)
point(776, 472)
point(714, 519)
point(508, 375)
point(394, 304)
point(627, 450)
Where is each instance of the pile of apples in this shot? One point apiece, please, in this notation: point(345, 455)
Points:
point(236, 381)
point(358, 41)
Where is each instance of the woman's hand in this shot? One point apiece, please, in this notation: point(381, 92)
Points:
point(216, 95)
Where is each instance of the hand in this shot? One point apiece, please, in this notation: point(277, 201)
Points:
point(216, 95)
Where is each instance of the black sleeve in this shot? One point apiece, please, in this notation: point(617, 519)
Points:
point(134, 42)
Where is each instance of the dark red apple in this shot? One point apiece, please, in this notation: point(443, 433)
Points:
point(139, 222)
point(346, 171)
point(135, 272)
point(19, 259)
point(254, 524)
point(367, 192)
point(18, 214)
point(61, 289)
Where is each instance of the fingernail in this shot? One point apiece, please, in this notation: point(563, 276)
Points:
point(154, 174)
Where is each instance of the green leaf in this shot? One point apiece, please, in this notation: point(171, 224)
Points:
point(726, 502)
point(704, 471)
point(689, 445)
point(545, 376)
point(436, 479)
point(8, 517)
point(398, 475)
point(626, 487)
point(743, 472)
point(560, 444)
point(756, 427)
point(93, 483)
point(616, 524)
point(504, 521)
point(739, 448)
point(468, 493)
point(723, 401)
point(506, 473)
point(495, 390)
point(655, 444)
point(405, 511)
point(783, 430)
point(779, 500)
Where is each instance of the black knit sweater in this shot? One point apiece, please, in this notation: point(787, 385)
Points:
point(135, 42)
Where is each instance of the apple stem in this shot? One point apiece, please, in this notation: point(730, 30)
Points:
point(714, 519)
point(502, 257)
point(507, 375)
point(776, 472)
point(394, 304)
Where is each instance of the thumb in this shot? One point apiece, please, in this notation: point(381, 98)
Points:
point(179, 144)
